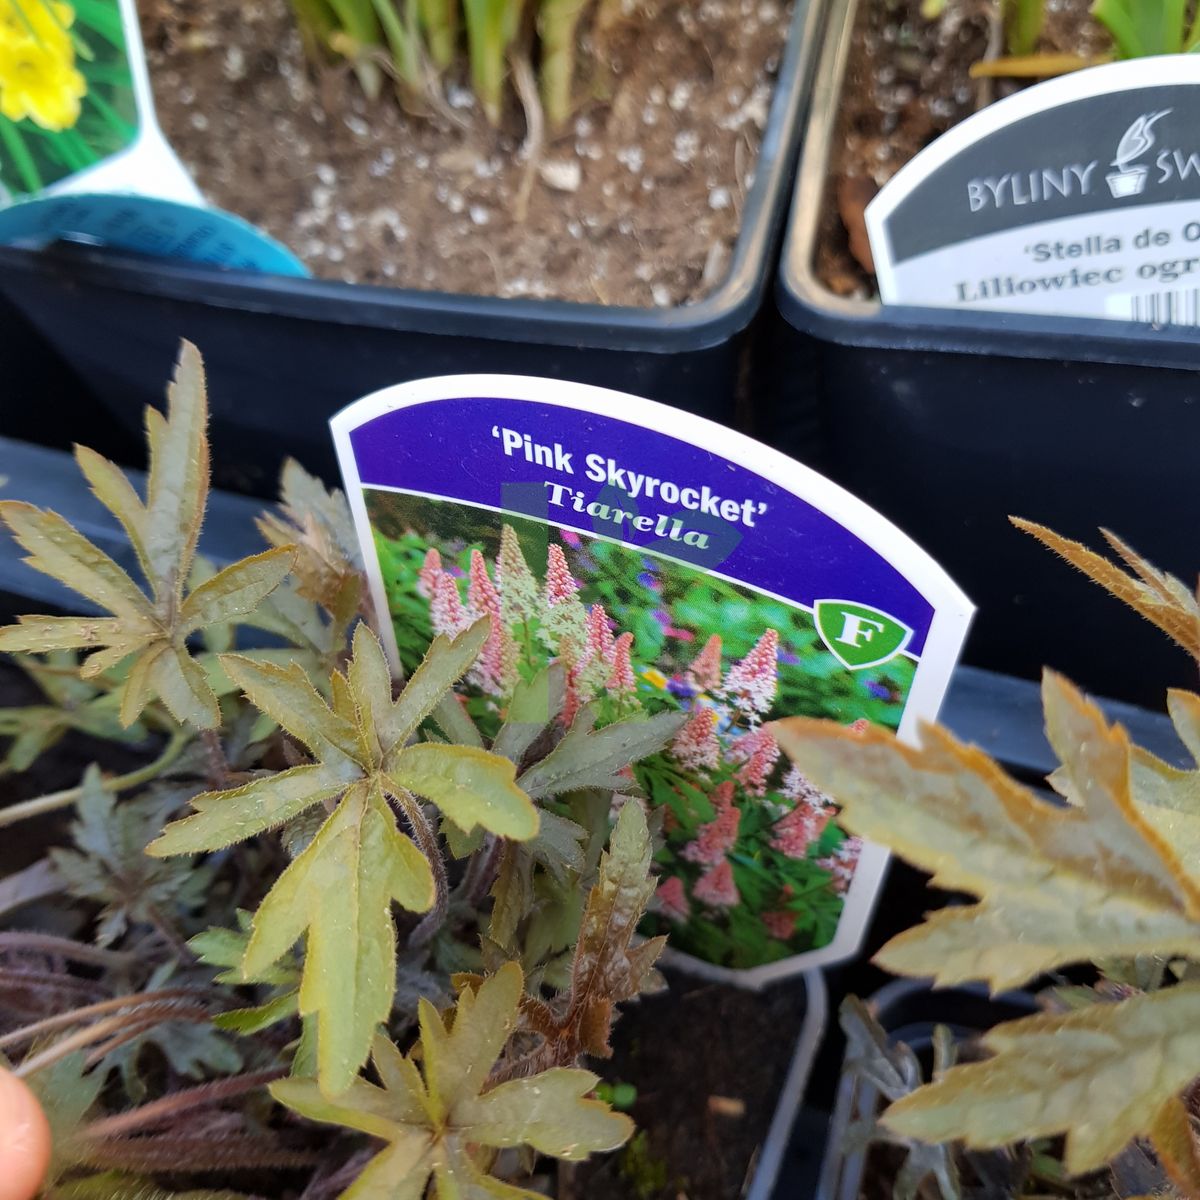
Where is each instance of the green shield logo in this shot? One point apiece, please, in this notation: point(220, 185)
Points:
point(857, 635)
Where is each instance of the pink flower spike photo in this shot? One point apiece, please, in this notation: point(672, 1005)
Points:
point(632, 576)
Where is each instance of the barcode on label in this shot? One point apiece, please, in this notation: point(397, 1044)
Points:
point(1180, 307)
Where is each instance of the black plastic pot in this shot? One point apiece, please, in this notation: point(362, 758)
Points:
point(948, 421)
point(284, 354)
point(34, 381)
point(908, 1010)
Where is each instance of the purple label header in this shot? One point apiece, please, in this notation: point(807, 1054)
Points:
point(620, 480)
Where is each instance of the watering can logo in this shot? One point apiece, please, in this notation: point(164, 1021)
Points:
point(857, 635)
point(1129, 178)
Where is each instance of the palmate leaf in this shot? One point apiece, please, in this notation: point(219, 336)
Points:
point(109, 864)
point(435, 1116)
point(1102, 1075)
point(338, 891)
point(1161, 598)
point(150, 628)
point(1058, 884)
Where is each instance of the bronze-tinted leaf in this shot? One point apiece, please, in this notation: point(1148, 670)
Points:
point(1057, 885)
point(1102, 1075)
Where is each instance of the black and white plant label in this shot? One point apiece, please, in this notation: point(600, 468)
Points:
point(1077, 197)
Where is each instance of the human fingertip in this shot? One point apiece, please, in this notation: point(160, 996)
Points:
point(24, 1140)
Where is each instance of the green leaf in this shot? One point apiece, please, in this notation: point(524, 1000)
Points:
point(152, 627)
point(432, 1115)
point(235, 591)
point(66, 1092)
point(470, 786)
point(339, 892)
point(444, 664)
point(112, 488)
point(557, 845)
point(287, 696)
point(549, 1112)
point(222, 818)
point(177, 485)
point(56, 548)
point(533, 706)
point(339, 889)
point(109, 865)
point(317, 522)
point(262, 1016)
point(589, 758)
point(455, 722)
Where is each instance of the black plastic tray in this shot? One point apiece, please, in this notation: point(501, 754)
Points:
point(948, 421)
point(284, 354)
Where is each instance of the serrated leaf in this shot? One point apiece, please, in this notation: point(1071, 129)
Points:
point(607, 968)
point(217, 947)
point(177, 483)
point(56, 548)
point(164, 531)
point(110, 485)
point(110, 866)
point(1161, 598)
point(339, 892)
point(319, 524)
point(286, 694)
point(590, 758)
point(235, 591)
point(1102, 1076)
point(1058, 885)
point(444, 664)
point(433, 1115)
point(223, 818)
point(512, 895)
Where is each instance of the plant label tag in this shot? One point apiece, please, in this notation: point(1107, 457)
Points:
point(76, 111)
point(1078, 197)
point(146, 225)
point(691, 572)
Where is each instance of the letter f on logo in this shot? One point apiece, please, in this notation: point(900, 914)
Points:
point(857, 629)
point(857, 635)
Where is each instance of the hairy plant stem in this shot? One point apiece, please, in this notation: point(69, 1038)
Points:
point(144, 1017)
point(481, 871)
point(63, 947)
point(218, 764)
point(53, 801)
point(63, 1020)
point(180, 1102)
point(426, 839)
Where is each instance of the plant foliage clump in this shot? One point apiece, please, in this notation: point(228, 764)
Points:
point(325, 889)
point(1105, 878)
